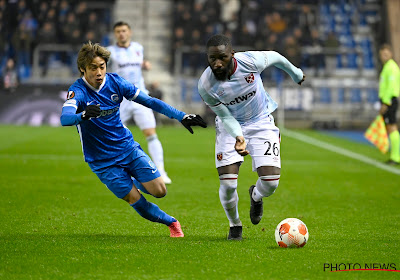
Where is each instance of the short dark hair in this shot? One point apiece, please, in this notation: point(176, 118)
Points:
point(88, 52)
point(121, 23)
point(218, 40)
point(386, 47)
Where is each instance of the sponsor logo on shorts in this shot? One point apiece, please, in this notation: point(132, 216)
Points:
point(219, 156)
point(249, 78)
point(70, 94)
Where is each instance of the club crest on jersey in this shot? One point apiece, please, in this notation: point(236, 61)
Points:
point(114, 98)
point(219, 156)
point(249, 78)
point(70, 94)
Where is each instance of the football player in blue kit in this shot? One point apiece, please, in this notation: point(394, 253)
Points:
point(232, 87)
point(108, 146)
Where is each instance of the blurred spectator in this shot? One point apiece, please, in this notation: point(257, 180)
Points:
point(195, 57)
point(22, 8)
point(81, 14)
point(316, 56)
point(245, 38)
point(290, 12)
point(63, 11)
point(307, 19)
point(331, 45)
point(229, 8)
point(69, 27)
point(46, 35)
point(292, 51)
point(155, 91)
point(277, 24)
point(10, 76)
point(178, 42)
point(96, 27)
point(43, 9)
point(23, 40)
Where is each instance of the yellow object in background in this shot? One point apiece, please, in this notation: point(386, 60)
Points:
point(377, 135)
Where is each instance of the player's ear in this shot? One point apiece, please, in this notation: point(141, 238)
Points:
point(82, 70)
point(233, 52)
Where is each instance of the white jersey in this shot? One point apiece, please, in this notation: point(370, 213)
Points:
point(243, 93)
point(127, 62)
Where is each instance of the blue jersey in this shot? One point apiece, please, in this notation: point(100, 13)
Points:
point(105, 137)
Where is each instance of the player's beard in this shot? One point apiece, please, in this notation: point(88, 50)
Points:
point(223, 74)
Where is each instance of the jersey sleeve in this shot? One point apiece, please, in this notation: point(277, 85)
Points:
point(231, 125)
point(71, 106)
point(158, 106)
point(264, 59)
point(128, 90)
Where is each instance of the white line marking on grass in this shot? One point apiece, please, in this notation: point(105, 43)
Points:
point(312, 141)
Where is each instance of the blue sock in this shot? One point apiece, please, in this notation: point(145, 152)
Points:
point(152, 212)
point(139, 186)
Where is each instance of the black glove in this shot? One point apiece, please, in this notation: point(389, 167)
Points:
point(91, 111)
point(192, 120)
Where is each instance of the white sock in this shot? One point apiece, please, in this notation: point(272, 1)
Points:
point(156, 152)
point(229, 198)
point(265, 186)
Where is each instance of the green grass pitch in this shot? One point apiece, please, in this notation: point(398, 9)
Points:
point(58, 221)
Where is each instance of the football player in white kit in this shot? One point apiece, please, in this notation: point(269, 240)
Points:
point(127, 61)
point(232, 87)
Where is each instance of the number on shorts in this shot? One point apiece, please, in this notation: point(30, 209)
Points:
point(275, 149)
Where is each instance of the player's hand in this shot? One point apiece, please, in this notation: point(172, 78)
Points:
point(240, 146)
point(383, 109)
point(304, 77)
point(192, 120)
point(91, 111)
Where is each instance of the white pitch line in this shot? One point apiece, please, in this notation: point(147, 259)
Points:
point(339, 150)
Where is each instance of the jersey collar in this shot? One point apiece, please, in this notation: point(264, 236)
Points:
point(234, 68)
point(95, 89)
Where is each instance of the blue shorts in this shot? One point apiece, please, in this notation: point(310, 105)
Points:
point(116, 173)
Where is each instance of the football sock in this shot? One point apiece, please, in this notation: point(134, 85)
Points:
point(139, 186)
point(265, 186)
point(156, 151)
point(152, 212)
point(229, 198)
point(394, 146)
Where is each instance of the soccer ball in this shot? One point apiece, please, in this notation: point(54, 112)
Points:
point(291, 232)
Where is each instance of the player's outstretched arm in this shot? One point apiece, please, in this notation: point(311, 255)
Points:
point(278, 60)
point(187, 120)
point(69, 116)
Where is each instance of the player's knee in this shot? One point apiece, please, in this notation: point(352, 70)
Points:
point(267, 185)
point(150, 134)
point(160, 190)
point(227, 188)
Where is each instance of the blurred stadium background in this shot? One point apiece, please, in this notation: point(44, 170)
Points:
point(334, 42)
